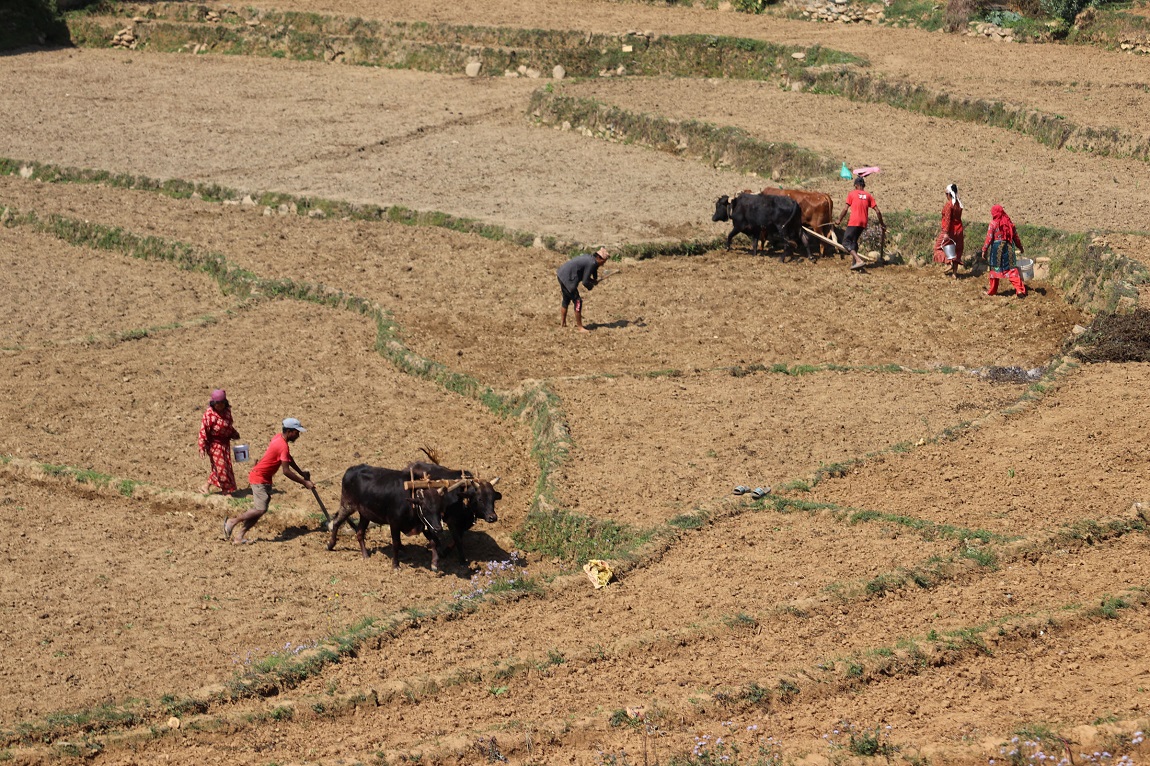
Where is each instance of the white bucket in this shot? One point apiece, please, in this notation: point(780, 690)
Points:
point(950, 251)
point(240, 452)
point(1025, 268)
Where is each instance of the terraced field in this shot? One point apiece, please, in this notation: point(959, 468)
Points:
point(952, 554)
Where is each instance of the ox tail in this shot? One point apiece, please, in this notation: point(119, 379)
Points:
point(794, 227)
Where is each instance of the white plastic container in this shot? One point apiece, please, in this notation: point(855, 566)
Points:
point(240, 452)
point(1026, 268)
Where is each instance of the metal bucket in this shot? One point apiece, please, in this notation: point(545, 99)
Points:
point(240, 452)
point(1025, 268)
point(950, 251)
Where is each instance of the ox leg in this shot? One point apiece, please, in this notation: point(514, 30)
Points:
point(760, 243)
point(361, 537)
point(824, 248)
point(433, 539)
point(730, 237)
point(457, 537)
point(789, 245)
point(396, 544)
point(340, 517)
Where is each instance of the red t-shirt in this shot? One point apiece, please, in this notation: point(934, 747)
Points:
point(269, 464)
point(860, 202)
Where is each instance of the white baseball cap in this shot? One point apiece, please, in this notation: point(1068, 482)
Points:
point(294, 424)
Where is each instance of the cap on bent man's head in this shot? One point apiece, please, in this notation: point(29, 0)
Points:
point(219, 395)
point(294, 424)
point(602, 252)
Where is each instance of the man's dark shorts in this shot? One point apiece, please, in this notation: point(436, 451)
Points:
point(569, 296)
point(851, 238)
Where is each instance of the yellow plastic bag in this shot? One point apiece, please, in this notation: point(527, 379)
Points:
point(599, 572)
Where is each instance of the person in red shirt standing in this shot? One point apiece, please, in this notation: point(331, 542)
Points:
point(1001, 240)
point(278, 455)
point(859, 204)
point(952, 232)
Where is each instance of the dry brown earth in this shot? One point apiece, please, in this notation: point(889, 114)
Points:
point(109, 598)
point(68, 295)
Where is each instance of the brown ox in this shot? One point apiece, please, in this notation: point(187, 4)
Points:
point(817, 210)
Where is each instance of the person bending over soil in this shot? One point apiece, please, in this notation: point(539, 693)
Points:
point(582, 269)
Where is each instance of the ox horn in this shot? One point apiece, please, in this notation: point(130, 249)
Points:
point(494, 481)
point(457, 485)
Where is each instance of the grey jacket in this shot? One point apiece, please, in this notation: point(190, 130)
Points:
point(580, 269)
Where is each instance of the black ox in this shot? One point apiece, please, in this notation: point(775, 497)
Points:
point(473, 500)
point(758, 215)
point(377, 494)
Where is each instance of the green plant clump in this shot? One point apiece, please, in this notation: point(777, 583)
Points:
point(578, 538)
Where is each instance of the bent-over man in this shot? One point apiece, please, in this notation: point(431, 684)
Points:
point(582, 269)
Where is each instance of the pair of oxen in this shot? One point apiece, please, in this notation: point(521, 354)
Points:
point(780, 212)
point(420, 498)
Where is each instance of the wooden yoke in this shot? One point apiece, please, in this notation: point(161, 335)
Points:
point(429, 484)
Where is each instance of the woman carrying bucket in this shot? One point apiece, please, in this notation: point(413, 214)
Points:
point(1001, 240)
point(948, 246)
point(216, 434)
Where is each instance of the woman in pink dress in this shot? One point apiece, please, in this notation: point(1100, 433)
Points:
point(951, 232)
point(216, 434)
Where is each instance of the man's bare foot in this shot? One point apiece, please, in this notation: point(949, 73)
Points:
point(584, 329)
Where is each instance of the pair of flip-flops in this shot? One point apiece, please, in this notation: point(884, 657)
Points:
point(757, 493)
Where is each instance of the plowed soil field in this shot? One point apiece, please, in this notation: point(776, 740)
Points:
point(949, 550)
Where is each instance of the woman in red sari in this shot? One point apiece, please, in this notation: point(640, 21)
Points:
point(216, 434)
point(1001, 241)
point(951, 232)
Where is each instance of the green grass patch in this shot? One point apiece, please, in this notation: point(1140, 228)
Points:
point(689, 521)
point(923, 14)
point(984, 557)
point(1110, 606)
point(573, 537)
point(91, 721)
point(741, 621)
